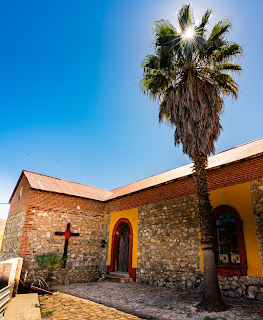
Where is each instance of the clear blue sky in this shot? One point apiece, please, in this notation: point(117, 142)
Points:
point(70, 101)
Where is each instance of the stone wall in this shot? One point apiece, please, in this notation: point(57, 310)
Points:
point(256, 189)
point(249, 287)
point(12, 236)
point(86, 258)
point(15, 222)
point(50, 213)
point(168, 244)
point(169, 250)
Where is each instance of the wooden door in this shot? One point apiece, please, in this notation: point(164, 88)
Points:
point(123, 252)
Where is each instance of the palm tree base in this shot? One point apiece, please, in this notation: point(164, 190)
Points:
point(212, 298)
point(212, 306)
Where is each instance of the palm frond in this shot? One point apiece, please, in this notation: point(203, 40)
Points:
point(229, 67)
point(166, 35)
point(162, 26)
point(211, 47)
point(228, 52)
point(150, 62)
point(220, 29)
point(226, 84)
point(185, 17)
point(154, 85)
point(200, 29)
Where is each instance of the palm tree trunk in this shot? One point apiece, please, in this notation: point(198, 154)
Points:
point(212, 299)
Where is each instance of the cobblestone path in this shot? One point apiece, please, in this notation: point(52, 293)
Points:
point(158, 303)
point(61, 306)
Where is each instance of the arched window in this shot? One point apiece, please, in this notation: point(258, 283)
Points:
point(230, 248)
point(124, 230)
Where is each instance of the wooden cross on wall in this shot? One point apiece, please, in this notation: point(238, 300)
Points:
point(67, 234)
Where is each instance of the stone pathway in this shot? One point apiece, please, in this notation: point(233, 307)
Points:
point(61, 306)
point(157, 303)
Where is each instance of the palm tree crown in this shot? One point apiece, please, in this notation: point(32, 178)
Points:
point(190, 74)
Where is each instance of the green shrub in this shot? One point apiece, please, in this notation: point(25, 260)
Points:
point(49, 260)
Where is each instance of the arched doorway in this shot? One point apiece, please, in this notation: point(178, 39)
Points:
point(121, 250)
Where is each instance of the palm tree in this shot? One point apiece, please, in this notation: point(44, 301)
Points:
point(189, 75)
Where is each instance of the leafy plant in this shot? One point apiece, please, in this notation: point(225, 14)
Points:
point(49, 261)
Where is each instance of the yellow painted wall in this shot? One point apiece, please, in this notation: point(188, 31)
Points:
point(132, 216)
point(239, 198)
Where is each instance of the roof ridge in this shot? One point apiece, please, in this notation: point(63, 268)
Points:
point(83, 184)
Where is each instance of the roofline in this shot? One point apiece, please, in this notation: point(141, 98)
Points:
point(154, 175)
point(192, 163)
point(186, 176)
point(66, 194)
point(24, 171)
point(140, 190)
point(17, 184)
point(45, 175)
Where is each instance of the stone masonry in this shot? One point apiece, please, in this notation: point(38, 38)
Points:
point(13, 231)
point(168, 244)
point(169, 250)
point(86, 258)
point(31, 226)
point(15, 222)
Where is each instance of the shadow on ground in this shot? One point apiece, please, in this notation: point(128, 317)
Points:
point(158, 303)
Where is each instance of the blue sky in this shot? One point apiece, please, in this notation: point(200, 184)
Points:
point(70, 101)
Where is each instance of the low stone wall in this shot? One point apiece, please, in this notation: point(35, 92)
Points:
point(245, 286)
point(65, 275)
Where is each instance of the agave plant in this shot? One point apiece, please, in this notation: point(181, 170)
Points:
point(189, 75)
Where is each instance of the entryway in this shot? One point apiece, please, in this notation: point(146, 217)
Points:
point(123, 248)
point(121, 251)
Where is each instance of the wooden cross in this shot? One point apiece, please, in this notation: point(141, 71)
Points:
point(67, 234)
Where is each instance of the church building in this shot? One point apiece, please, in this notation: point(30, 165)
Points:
point(147, 230)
